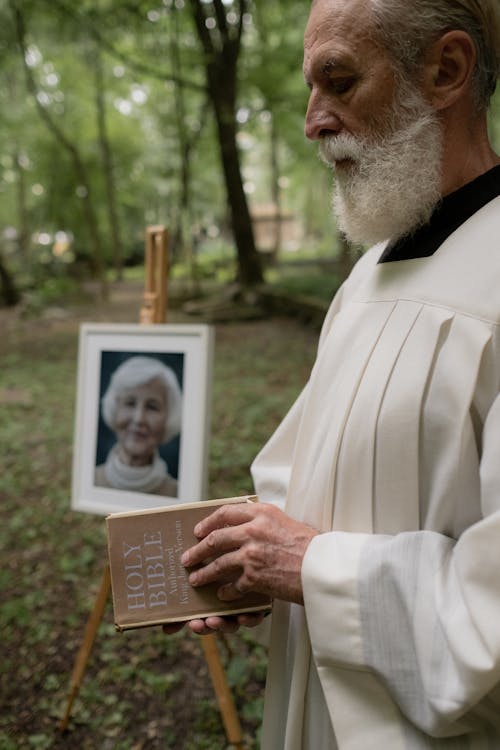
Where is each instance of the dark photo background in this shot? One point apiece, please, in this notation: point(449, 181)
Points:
point(105, 437)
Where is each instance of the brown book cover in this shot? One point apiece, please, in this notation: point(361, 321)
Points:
point(149, 584)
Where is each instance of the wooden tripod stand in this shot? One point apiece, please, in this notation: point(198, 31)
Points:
point(153, 311)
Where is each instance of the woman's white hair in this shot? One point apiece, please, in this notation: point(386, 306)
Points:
point(407, 29)
point(138, 371)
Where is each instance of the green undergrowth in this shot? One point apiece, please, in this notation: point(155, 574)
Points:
point(299, 282)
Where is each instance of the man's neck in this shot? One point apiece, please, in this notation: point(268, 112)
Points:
point(467, 151)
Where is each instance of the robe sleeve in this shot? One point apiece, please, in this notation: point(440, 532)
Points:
point(418, 610)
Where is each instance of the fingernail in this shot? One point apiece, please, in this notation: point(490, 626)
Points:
point(197, 529)
point(184, 558)
point(193, 579)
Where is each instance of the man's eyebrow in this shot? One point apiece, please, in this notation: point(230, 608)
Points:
point(331, 65)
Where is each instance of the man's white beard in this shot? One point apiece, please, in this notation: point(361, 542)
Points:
point(394, 182)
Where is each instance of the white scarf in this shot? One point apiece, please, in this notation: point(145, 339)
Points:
point(134, 478)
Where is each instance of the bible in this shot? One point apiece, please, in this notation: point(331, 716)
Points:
point(149, 584)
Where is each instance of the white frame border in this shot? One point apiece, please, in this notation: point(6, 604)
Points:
point(196, 342)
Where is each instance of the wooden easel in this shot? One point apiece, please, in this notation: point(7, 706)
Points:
point(154, 307)
point(153, 310)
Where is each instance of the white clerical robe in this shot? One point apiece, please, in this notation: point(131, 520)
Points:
point(393, 451)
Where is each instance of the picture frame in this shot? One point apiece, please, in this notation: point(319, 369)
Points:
point(130, 451)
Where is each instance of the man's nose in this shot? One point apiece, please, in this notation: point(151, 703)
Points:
point(320, 119)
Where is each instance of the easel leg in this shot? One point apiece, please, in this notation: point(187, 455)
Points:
point(154, 311)
point(212, 657)
point(83, 655)
point(222, 691)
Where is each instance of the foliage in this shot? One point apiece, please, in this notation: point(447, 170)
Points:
point(160, 130)
point(141, 689)
point(296, 280)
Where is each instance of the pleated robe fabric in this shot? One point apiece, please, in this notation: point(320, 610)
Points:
point(393, 451)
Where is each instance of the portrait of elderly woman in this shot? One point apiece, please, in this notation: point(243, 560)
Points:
point(141, 406)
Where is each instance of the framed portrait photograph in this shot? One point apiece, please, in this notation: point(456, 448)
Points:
point(142, 416)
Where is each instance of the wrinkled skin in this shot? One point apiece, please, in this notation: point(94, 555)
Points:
point(256, 545)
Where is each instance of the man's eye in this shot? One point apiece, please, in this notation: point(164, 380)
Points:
point(342, 85)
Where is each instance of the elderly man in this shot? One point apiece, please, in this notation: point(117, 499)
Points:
point(385, 562)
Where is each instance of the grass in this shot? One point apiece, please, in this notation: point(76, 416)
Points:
point(142, 690)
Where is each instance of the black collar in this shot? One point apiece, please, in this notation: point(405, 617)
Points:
point(451, 212)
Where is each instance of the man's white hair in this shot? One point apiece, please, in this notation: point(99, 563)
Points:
point(139, 371)
point(407, 29)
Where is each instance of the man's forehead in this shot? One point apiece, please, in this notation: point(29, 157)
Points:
point(337, 19)
point(336, 29)
point(342, 10)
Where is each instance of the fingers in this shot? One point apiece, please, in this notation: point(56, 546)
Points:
point(216, 543)
point(228, 515)
point(219, 569)
point(214, 624)
point(258, 548)
point(199, 627)
point(227, 625)
point(250, 619)
point(227, 529)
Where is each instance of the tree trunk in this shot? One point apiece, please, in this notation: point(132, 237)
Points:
point(9, 295)
point(23, 231)
point(23, 224)
point(221, 58)
point(275, 191)
point(249, 261)
point(79, 167)
point(183, 230)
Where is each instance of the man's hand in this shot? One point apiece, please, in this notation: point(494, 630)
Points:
point(255, 545)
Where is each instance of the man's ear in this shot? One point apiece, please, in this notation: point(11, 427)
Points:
point(448, 69)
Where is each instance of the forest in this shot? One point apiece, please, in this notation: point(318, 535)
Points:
point(184, 113)
point(119, 115)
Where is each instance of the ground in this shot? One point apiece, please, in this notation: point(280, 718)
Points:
point(141, 690)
